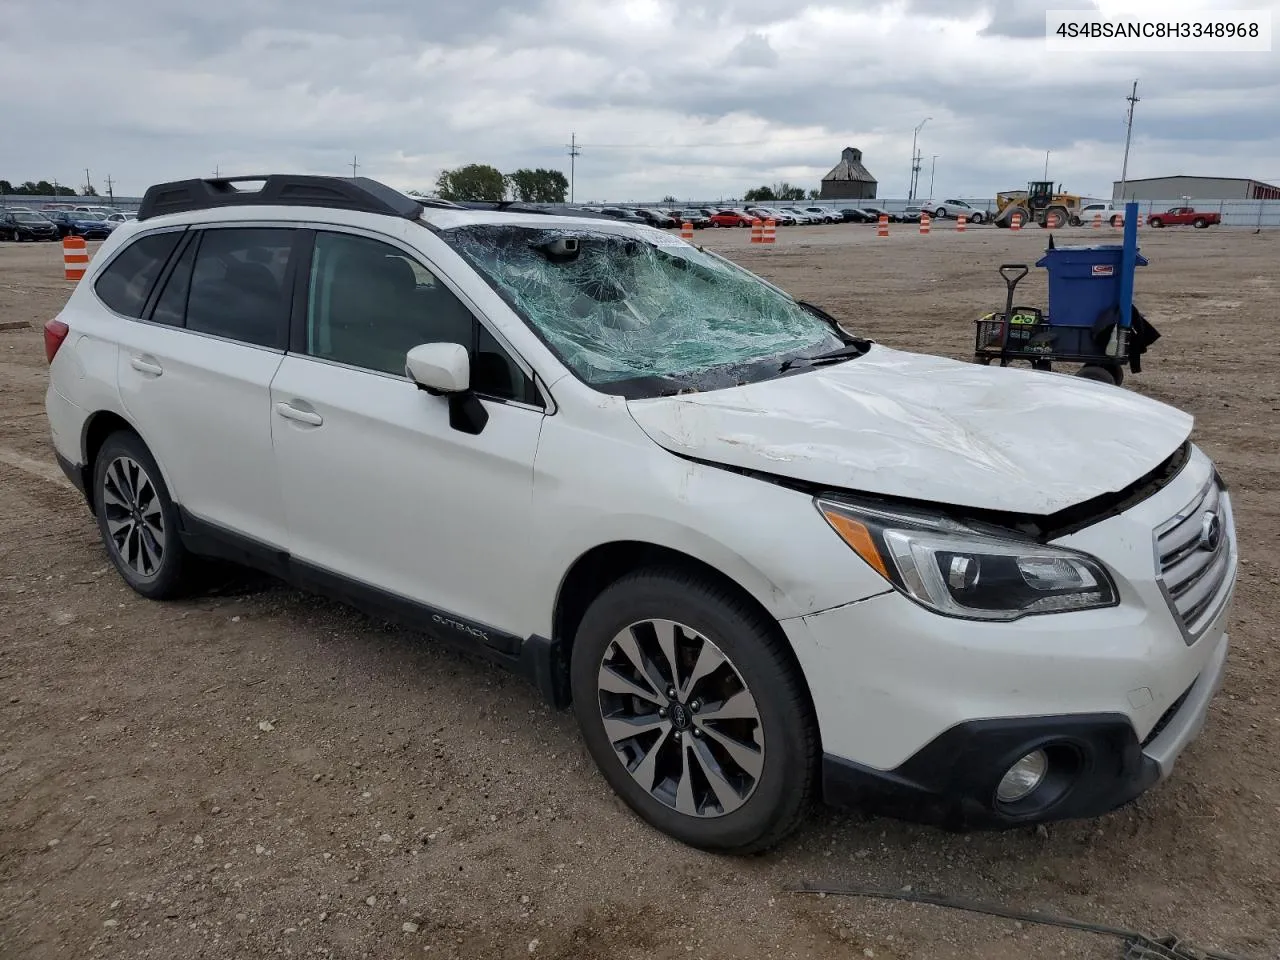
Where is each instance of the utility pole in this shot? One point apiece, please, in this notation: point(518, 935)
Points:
point(933, 166)
point(574, 150)
point(87, 182)
point(1128, 137)
point(915, 160)
point(1046, 164)
point(354, 164)
point(216, 171)
point(111, 196)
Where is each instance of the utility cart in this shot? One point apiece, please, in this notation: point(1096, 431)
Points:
point(1090, 319)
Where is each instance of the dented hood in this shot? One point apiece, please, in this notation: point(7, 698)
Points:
point(928, 428)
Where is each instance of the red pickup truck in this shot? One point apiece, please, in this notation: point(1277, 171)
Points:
point(1183, 217)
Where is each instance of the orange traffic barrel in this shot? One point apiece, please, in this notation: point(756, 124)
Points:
point(924, 223)
point(883, 229)
point(757, 230)
point(960, 223)
point(770, 228)
point(686, 231)
point(75, 258)
point(1015, 222)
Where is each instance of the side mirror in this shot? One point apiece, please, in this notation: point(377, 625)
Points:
point(439, 367)
point(445, 369)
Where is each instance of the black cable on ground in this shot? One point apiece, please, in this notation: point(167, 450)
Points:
point(1138, 946)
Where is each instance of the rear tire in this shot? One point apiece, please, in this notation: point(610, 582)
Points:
point(1155, 222)
point(1200, 223)
point(137, 519)
point(1100, 374)
point(677, 772)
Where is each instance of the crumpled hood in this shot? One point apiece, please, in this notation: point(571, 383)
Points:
point(928, 428)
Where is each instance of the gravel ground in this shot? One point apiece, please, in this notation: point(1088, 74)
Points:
point(257, 773)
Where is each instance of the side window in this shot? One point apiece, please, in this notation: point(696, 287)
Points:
point(238, 285)
point(126, 283)
point(369, 303)
point(171, 306)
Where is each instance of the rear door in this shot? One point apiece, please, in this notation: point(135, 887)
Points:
point(195, 372)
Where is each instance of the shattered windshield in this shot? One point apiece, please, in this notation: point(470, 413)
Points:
point(651, 314)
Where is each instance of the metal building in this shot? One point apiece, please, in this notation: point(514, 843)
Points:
point(1173, 189)
point(849, 179)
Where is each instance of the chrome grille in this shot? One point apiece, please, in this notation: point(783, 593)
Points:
point(1195, 565)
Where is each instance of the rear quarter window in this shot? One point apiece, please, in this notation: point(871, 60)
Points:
point(127, 281)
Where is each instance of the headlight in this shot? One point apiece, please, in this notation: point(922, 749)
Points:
point(962, 571)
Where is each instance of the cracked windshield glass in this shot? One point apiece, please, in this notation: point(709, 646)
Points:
point(656, 315)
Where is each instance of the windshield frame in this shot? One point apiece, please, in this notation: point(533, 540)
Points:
point(640, 387)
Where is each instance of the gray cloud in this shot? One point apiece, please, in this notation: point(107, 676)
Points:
point(695, 99)
point(753, 50)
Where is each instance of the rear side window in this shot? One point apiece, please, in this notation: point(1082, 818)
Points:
point(238, 287)
point(126, 283)
point(171, 306)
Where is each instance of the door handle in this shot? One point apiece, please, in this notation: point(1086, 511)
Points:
point(146, 366)
point(290, 412)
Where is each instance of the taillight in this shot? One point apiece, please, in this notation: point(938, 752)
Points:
point(55, 331)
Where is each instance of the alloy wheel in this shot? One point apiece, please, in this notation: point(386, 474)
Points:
point(680, 718)
point(135, 521)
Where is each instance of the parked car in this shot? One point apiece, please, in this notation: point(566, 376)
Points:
point(856, 215)
point(656, 218)
point(117, 217)
point(824, 214)
point(19, 225)
point(731, 218)
point(696, 218)
point(779, 216)
point(1184, 217)
point(1089, 212)
point(910, 214)
point(623, 214)
point(104, 211)
point(801, 216)
point(942, 209)
point(762, 560)
point(878, 212)
point(72, 223)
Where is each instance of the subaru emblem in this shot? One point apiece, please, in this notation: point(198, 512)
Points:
point(1210, 531)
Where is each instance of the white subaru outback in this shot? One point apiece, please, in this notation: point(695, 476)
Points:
point(763, 559)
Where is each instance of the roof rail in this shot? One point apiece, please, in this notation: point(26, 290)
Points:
point(280, 190)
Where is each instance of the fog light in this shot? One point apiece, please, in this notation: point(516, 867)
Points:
point(1023, 777)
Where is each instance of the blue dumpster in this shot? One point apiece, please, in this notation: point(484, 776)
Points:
point(1085, 281)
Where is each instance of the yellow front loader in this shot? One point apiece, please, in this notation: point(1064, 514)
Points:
point(1037, 204)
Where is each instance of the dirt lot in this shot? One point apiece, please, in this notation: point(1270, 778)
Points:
point(146, 812)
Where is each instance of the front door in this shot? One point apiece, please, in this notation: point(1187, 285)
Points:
point(378, 487)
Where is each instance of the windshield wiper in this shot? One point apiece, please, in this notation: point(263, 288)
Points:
point(855, 348)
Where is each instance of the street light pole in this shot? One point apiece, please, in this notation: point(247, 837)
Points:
point(915, 160)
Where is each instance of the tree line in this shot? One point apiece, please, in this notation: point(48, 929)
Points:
point(480, 181)
point(43, 188)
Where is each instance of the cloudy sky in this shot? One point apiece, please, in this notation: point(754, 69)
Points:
point(698, 98)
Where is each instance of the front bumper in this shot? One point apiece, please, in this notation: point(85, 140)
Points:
point(1097, 764)
point(928, 712)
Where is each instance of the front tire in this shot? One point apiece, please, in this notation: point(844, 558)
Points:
point(137, 519)
point(694, 711)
